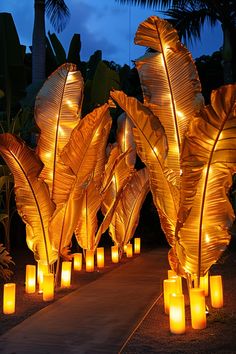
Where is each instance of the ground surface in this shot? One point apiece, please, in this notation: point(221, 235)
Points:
point(152, 335)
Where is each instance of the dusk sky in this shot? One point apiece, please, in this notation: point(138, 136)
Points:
point(105, 25)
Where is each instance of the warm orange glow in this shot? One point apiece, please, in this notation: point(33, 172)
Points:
point(198, 308)
point(171, 273)
point(115, 254)
point(129, 250)
point(30, 279)
point(100, 257)
point(177, 314)
point(178, 283)
point(137, 245)
point(41, 270)
point(89, 261)
point(9, 298)
point(65, 274)
point(204, 281)
point(125, 247)
point(77, 261)
point(216, 290)
point(48, 287)
point(169, 287)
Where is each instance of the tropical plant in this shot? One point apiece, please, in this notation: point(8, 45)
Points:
point(189, 17)
point(187, 147)
point(5, 262)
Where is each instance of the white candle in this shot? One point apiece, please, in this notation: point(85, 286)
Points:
point(89, 261)
point(77, 261)
point(169, 287)
point(137, 245)
point(9, 298)
point(129, 250)
point(198, 308)
point(65, 274)
point(42, 269)
point(115, 254)
point(48, 287)
point(30, 279)
point(100, 257)
point(216, 290)
point(177, 314)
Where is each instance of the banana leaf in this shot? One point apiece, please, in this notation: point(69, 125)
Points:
point(125, 138)
point(32, 195)
point(208, 161)
point(127, 212)
point(170, 83)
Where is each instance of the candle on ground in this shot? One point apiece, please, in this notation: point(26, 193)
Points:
point(198, 308)
point(9, 298)
point(115, 254)
point(216, 291)
point(89, 261)
point(129, 250)
point(100, 257)
point(137, 245)
point(77, 261)
point(48, 287)
point(169, 287)
point(177, 314)
point(30, 279)
point(65, 274)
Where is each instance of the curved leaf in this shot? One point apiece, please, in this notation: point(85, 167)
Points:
point(170, 83)
point(57, 112)
point(125, 138)
point(208, 161)
point(32, 195)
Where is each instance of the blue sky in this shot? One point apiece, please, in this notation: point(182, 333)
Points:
point(105, 25)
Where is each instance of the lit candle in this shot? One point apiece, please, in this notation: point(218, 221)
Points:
point(125, 248)
point(216, 290)
point(30, 279)
point(77, 261)
point(129, 250)
point(115, 254)
point(9, 298)
point(100, 257)
point(137, 245)
point(178, 283)
point(65, 274)
point(42, 269)
point(48, 287)
point(204, 283)
point(177, 314)
point(171, 273)
point(89, 261)
point(198, 308)
point(169, 286)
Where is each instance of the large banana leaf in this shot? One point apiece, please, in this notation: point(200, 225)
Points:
point(170, 83)
point(152, 148)
point(32, 194)
point(87, 223)
point(125, 138)
point(57, 112)
point(80, 155)
point(208, 161)
point(126, 215)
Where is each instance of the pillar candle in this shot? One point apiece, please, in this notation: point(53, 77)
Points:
point(171, 273)
point(129, 250)
point(89, 261)
point(48, 287)
point(177, 314)
point(137, 245)
point(204, 283)
point(178, 283)
point(30, 279)
point(65, 274)
point(100, 257)
point(169, 287)
point(115, 254)
point(198, 308)
point(42, 269)
point(216, 291)
point(77, 261)
point(9, 298)
point(125, 248)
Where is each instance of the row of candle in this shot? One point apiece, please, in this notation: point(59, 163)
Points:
point(46, 279)
point(174, 304)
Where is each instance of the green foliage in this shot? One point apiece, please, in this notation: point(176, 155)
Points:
point(5, 262)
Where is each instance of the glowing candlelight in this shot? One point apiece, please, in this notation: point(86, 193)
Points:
point(100, 257)
point(177, 314)
point(65, 274)
point(204, 283)
point(9, 298)
point(42, 269)
point(48, 287)
point(115, 254)
point(171, 273)
point(125, 248)
point(89, 261)
point(137, 245)
point(169, 287)
point(129, 250)
point(216, 291)
point(77, 261)
point(179, 289)
point(30, 279)
point(198, 308)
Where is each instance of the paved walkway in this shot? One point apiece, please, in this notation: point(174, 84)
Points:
point(98, 318)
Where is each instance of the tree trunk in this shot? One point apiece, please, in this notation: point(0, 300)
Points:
point(227, 56)
point(39, 42)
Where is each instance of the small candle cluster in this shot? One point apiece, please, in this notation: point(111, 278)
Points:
point(174, 304)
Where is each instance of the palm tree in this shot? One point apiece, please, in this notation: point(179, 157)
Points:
point(189, 17)
point(58, 14)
